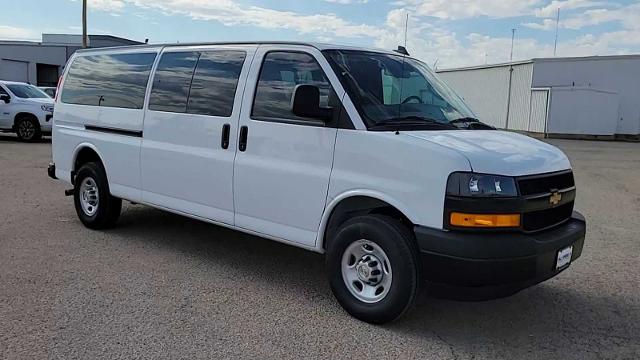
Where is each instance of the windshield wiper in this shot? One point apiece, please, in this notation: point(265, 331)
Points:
point(408, 121)
point(471, 123)
point(464, 120)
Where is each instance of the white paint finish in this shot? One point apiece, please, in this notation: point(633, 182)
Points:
point(520, 97)
point(615, 74)
point(184, 166)
point(583, 111)
point(538, 111)
point(500, 152)
point(281, 180)
point(402, 170)
point(290, 178)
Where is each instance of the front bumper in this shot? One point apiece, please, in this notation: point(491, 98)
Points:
point(482, 266)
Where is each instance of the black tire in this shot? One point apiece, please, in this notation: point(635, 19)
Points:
point(107, 211)
point(28, 129)
point(399, 245)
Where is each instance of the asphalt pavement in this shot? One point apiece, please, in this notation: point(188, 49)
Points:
point(164, 286)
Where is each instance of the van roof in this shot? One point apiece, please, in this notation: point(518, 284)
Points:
point(319, 46)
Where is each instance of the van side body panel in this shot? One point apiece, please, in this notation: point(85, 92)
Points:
point(407, 173)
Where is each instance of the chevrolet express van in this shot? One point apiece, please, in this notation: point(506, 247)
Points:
point(363, 155)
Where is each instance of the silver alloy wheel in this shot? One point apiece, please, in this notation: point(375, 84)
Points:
point(89, 199)
point(366, 271)
point(26, 129)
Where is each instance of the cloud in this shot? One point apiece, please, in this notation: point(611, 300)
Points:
point(627, 16)
point(463, 9)
point(345, 2)
point(17, 33)
point(551, 9)
point(105, 5)
point(230, 13)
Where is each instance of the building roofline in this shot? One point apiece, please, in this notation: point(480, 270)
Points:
point(488, 66)
point(540, 60)
point(587, 58)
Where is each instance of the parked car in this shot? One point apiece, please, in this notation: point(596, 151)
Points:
point(363, 155)
point(51, 91)
point(25, 110)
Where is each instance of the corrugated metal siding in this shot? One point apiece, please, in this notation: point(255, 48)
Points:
point(485, 90)
point(538, 117)
point(520, 97)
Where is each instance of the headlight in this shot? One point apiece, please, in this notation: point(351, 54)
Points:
point(482, 185)
point(47, 108)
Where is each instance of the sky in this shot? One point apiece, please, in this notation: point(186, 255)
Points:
point(443, 33)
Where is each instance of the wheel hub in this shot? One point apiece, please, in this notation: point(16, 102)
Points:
point(366, 271)
point(369, 270)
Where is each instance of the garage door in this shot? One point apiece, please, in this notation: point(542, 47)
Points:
point(11, 70)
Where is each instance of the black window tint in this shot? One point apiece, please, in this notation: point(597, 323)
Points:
point(213, 88)
point(114, 80)
point(172, 80)
point(3, 91)
point(281, 73)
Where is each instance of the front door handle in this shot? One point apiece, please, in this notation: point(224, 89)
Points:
point(242, 144)
point(226, 130)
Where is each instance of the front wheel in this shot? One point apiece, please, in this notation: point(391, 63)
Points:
point(28, 129)
point(95, 206)
point(374, 269)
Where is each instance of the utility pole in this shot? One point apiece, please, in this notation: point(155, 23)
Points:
point(513, 37)
point(84, 24)
point(555, 45)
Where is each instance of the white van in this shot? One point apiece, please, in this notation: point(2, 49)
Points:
point(25, 110)
point(363, 155)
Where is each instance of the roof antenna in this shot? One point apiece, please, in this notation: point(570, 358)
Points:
point(403, 49)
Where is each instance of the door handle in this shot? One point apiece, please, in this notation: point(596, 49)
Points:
point(226, 130)
point(242, 144)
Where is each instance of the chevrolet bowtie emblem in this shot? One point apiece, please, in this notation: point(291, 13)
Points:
point(555, 198)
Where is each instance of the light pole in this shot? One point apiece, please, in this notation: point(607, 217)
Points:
point(84, 24)
point(513, 36)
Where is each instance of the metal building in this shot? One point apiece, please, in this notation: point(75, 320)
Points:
point(41, 63)
point(588, 96)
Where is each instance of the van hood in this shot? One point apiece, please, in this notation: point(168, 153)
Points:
point(499, 152)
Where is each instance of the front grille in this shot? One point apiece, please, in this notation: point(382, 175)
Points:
point(543, 184)
point(543, 219)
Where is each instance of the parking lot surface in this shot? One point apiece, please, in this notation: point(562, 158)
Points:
point(164, 286)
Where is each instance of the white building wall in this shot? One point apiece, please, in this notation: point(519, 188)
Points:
point(486, 90)
point(520, 97)
point(619, 74)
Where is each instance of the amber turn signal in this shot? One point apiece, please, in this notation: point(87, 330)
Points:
point(485, 220)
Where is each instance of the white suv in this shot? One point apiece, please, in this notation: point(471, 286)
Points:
point(364, 155)
point(25, 110)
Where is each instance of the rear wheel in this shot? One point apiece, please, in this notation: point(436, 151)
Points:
point(374, 270)
point(95, 206)
point(28, 129)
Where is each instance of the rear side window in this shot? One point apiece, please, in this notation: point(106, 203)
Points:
point(281, 73)
point(214, 83)
point(112, 80)
point(172, 82)
point(202, 83)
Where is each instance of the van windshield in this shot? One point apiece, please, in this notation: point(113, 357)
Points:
point(27, 91)
point(392, 90)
